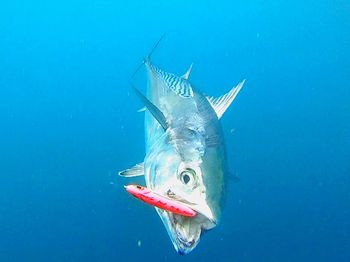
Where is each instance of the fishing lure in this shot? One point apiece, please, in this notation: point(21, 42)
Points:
point(154, 199)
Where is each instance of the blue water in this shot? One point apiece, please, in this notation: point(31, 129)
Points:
point(68, 123)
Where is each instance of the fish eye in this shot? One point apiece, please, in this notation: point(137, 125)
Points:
point(187, 176)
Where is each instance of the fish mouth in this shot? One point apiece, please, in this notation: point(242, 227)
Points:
point(185, 232)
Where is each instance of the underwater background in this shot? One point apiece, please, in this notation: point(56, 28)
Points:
point(68, 124)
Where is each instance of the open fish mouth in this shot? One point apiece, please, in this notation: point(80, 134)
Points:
point(185, 232)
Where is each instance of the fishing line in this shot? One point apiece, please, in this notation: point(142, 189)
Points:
point(147, 58)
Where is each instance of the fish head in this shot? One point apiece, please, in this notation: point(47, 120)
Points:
point(187, 182)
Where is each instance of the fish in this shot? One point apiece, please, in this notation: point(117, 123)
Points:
point(153, 198)
point(185, 155)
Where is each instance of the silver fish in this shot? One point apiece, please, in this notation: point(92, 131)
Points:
point(185, 152)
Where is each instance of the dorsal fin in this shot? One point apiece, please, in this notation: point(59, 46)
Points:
point(188, 72)
point(221, 103)
point(136, 170)
point(154, 110)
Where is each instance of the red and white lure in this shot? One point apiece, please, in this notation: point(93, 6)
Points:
point(154, 199)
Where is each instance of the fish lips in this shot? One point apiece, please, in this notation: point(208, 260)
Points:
point(185, 232)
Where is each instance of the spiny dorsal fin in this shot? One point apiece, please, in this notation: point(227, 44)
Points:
point(136, 170)
point(221, 103)
point(154, 110)
point(188, 72)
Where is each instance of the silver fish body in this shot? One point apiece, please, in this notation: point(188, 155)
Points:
point(185, 153)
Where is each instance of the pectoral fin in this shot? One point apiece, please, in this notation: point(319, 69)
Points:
point(154, 110)
point(221, 103)
point(136, 170)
